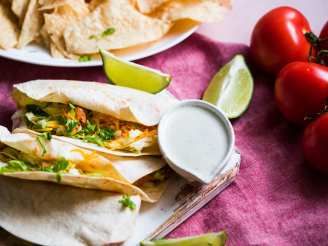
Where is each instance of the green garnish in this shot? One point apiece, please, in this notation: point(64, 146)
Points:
point(70, 125)
point(94, 139)
point(106, 133)
point(90, 128)
point(127, 202)
point(41, 139)
point(84, 58)
point(93, 36)
point(105, 33)
point(14, 166)
point(58, 177)
point(60, 165)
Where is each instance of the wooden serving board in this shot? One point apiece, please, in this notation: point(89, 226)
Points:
point(178, 203)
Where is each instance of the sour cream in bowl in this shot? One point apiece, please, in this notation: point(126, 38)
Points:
point(196, 139)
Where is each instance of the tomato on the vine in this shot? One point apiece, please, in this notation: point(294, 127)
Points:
point(315, 143)
point(301, 90)
point(278, 39)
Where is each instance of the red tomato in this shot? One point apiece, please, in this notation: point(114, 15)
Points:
point(324, 42)
point(324, 31)
point(315, 143)
point(278, 39)
point(301, 90)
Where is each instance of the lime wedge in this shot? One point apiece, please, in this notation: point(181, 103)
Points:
point(231, 88)
point(132, 75)
point(213, 239)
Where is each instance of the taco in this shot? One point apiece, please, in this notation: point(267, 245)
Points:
point(49, 214)
point(33, 156)
point(102, 117)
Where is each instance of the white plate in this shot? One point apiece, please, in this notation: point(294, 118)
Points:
point(35, 54)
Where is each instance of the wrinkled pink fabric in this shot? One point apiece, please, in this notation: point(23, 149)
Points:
point(276, 199)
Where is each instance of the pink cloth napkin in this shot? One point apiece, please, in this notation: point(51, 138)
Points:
point(276, 199)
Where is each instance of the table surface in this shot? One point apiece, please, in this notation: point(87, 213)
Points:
point(238, 23)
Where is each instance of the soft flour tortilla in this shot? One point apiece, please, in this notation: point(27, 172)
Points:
point(120, 102)
point(121, 173)
point(49, 214)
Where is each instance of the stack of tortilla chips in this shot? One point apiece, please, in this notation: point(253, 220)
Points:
point(76, 28)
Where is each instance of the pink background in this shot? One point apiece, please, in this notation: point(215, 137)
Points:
point(237, 25)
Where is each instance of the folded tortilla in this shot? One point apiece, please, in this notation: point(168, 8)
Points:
point(48, 214)
point(33, 156)
point(102, 117)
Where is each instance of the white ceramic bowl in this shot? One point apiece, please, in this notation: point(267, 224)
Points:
point(165, 139)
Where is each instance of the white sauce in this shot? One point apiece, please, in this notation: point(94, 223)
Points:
point(196, 140)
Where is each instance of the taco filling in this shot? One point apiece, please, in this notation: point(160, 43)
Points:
point(77, 122)
point(17, 161)
point(14, 163)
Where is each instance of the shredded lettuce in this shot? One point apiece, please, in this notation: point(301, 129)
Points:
point(15, 166)
point(41, 139)
point(92, 127)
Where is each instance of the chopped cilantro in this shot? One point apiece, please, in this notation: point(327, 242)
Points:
point(94, 139)
point(41, 139)
point(107, 32)
point(106, 133)
point(14, 166)
point(58, 177)
point(84, 58)
point(70, 125)
point(93, 36)
point(127, 202)
point(90, 128)
point(60, 165)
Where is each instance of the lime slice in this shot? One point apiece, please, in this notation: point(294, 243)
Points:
point(132, 75)
point(231, 88)
point(213, 239)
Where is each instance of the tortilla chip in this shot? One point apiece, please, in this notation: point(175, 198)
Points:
point(19, 8)
point(148, 6)
point(48, 214)
point(77, 7)
point(56, 22)
point(131, 28)
point(31, 25)
point(197, 10)
point(8, 27)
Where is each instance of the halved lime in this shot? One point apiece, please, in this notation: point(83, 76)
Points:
point(132, 75)
point(231, 88)
point(213, 239)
